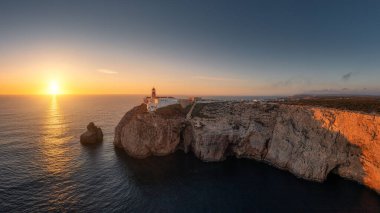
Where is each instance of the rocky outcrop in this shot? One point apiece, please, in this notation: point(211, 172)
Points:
point(93, 135)
point(142, 134)
point(309, 142)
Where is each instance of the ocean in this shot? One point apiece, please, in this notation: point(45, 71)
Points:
point(44, 167)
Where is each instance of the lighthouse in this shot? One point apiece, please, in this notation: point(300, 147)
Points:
point(155, 102)
point(153, 93)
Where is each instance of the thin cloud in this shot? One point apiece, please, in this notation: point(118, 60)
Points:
point(293, 82)
point(212, 78)
point(347, 76)
point(106, 71)
point(286, 83)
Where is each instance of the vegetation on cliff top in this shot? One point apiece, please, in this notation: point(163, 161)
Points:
point(197, 110)
point(172, 110)
point(361, 104)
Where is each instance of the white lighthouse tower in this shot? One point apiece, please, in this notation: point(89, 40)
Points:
point(154, 102)
point(153, 93)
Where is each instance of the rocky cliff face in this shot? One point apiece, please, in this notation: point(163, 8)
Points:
point(142, 134)
point(309, 142)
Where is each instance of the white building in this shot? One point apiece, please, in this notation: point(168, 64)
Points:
point(155, 102)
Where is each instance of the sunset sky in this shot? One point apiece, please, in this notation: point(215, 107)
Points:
point(190, 47)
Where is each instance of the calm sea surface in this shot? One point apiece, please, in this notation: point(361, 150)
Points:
point(43, 167)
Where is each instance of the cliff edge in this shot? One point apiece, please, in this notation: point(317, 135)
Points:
point(309, 142)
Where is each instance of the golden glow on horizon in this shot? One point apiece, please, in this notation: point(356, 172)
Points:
point(53, 77)
point(77, 74)
point(54, 88)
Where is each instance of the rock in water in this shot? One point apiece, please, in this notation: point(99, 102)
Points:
point(309, 142)
point(93, 135)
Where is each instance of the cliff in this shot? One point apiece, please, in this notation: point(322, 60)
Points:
point(309, 142)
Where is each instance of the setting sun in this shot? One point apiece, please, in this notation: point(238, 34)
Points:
point(53, 88)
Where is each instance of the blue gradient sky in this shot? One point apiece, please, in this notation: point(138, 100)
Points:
point(191, 47)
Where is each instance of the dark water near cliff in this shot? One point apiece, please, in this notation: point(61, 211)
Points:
point(43, 167)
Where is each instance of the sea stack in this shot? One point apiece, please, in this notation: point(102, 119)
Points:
point(93, 135)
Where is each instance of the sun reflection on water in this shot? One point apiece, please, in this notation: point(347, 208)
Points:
point(56, 158)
